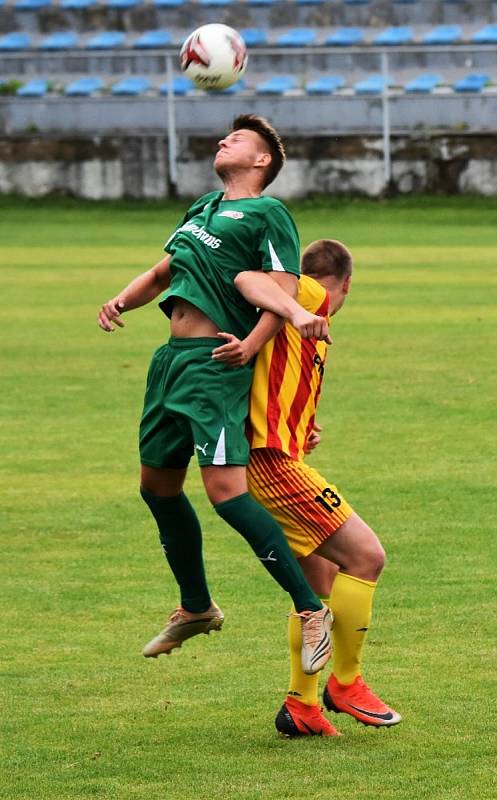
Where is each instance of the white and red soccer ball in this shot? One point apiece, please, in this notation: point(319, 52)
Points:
point(214, 56)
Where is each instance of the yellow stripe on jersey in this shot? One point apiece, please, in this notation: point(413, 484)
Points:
point(287, 382)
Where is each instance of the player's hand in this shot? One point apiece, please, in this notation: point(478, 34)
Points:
point(235, 353)
point(110, 315)
point(313, 439)
point(310, 326)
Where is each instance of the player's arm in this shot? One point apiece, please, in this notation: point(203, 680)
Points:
point(273, 292)
point(238, 352)
point(142, 290)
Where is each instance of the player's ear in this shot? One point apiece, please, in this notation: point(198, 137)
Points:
point(346, 284)
point(263, 160)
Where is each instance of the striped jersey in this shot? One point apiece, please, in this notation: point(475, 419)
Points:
point(287, 382)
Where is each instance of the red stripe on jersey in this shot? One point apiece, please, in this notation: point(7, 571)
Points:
point(315, 400)
point(307, 352)
point(275, 379)
point(323, 308)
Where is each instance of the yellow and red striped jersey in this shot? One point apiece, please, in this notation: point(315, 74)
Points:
point(287, 382)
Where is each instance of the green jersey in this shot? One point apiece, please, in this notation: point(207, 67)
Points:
point(215, 241)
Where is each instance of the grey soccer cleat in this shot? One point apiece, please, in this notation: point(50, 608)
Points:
point(316, 639)
point(182, 625)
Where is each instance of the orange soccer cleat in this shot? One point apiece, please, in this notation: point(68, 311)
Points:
point(360, 702)
point(298, 719)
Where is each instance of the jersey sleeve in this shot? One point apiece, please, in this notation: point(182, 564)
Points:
point(279, 247)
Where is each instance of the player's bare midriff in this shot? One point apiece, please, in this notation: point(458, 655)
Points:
point(189, 321)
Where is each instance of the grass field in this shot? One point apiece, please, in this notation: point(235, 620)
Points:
point(409, 411)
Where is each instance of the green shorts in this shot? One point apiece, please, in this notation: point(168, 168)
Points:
point(193, 403)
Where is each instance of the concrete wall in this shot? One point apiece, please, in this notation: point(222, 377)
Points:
point(99, 167)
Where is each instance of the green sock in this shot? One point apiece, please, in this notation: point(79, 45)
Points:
point(268, 542)
point(181, 539)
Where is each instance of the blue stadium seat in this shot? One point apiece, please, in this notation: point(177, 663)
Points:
point(406, 2)
point(374, 84)
point(83, 87)
point(76, 5)
point(486, 35)
point(131, 85)
point(123, 3)
point(106, 40)
point(17, 40)
point(279, 84)
point(215, 3)
point(394, 36)
point(181, 86)
point(31, 5)
point(310, 2)
point(471, 83)
point(35, 88)
point(423, 84)
point(153, 39)
point(345, 37)
point(168, 3)
point(62, 40)
point(254, 36)
point(298, 37)
point(443, 34)
point(326, 84)
point(356, 2)
point(261, 2)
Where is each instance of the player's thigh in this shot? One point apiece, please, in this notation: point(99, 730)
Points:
point(164, 441)
point(356, 548)
point(320, 573)
point(308, 508)
point(218, 420)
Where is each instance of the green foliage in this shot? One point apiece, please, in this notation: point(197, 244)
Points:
point(10, 87)
point(409, 436)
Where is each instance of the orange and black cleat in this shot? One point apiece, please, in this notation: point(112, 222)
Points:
point(360, 702)
point(298, 719)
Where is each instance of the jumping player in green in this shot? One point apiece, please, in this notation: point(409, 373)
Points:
point(195, 403)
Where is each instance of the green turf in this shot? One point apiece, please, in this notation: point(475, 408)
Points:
point(409, 410)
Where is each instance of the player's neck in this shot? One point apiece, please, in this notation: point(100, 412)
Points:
point(237, 187)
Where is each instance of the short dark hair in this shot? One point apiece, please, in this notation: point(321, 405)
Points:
point(253, 122)
point(326, 257)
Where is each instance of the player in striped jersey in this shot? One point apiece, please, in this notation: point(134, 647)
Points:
point(334, 545)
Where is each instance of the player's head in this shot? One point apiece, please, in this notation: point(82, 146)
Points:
point(330, 263)
point(252, 144)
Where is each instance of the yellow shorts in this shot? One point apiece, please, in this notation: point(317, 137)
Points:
point(306, 506)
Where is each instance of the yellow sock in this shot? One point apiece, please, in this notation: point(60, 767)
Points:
point(351, 601)
point(303, 687)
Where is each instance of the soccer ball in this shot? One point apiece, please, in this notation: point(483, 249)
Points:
point(214, 56)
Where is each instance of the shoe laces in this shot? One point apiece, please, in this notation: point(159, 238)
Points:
point(177, 615)
point(311, 627)
point(361, 692)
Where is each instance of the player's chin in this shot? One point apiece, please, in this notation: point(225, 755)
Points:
point(221, 166)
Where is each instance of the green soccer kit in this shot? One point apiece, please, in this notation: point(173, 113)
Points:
point(215, 241)
point(193, 402)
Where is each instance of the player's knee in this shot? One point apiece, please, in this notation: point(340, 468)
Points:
point(377, 559)
point(369, 559)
